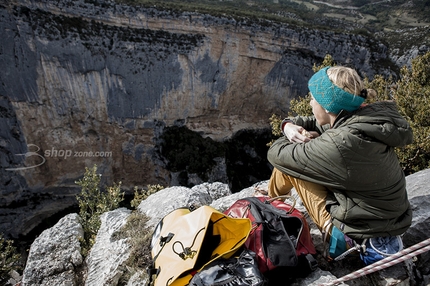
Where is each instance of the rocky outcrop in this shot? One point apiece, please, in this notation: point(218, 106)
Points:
point(175, 197)
point(55, 254)
point(106, 261)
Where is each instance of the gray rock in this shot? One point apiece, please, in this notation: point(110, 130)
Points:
point(137, 279)
point(106, 259)
point(225, 202)
point(419, 196)
point(215, 190)
point(161, 203)
point(316, 278)
point(417, 184)
point(55, 254)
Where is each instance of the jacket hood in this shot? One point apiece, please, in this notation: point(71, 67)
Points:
point(381, 121)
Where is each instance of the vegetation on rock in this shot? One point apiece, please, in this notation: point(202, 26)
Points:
point(387, 20)
point(138, 236)
point(93, 202)
point(10, 259)
point(412, 94)
point(140, 195)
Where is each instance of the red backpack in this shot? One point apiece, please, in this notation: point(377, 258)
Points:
point(279, 236)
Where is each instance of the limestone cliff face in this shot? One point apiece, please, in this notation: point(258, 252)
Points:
point(86, 83)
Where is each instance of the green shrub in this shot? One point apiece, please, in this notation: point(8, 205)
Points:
point(93, 202)
point(140, 195)
point(10, 259)
point(412, 94)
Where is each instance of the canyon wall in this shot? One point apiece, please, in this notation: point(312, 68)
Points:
point(96, 82)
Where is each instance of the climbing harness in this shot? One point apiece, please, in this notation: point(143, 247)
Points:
point(389, 261)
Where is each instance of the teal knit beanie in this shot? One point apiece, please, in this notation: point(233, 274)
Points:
point(331, 97)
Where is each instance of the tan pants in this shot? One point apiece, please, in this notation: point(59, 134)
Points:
point(312, 195)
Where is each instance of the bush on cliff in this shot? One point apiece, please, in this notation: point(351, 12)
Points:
point(93, 202)
point(412, 95)
point(10, 259)
point(140, 195)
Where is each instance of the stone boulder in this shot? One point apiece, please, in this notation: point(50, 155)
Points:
point(106, 261)
point(55, 254)
point(163, 202)
point(419, 196)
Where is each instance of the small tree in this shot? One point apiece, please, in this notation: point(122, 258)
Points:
point(139, 196)
point(412, 94)
point(93, 202)
point(9, 259)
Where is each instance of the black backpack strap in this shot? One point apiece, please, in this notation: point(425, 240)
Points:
point(261, 208)
point(276, 242)
point(151, 271)
point(255, 209)
point(313, 264)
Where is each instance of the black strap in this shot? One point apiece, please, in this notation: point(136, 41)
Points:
point(262, 207)
point(163, 241)
point(313, 264)
point(151, 271)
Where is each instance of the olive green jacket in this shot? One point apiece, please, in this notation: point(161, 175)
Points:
point(355, 160)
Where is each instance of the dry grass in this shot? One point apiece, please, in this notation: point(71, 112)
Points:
point(139, 238)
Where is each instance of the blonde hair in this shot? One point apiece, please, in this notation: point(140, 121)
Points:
point(349, 80)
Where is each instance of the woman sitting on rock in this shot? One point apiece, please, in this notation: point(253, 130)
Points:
point(342, 163)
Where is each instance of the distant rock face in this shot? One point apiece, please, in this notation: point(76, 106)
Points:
point(96, 82)
point(52, 255)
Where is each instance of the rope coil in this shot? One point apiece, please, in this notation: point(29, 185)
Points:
point(389, 261)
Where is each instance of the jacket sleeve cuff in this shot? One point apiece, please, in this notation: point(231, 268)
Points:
point(285, 121)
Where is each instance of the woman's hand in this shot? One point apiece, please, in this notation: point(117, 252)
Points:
point(298, 134)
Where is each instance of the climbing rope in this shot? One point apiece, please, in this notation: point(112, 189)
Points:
point(389, 261)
